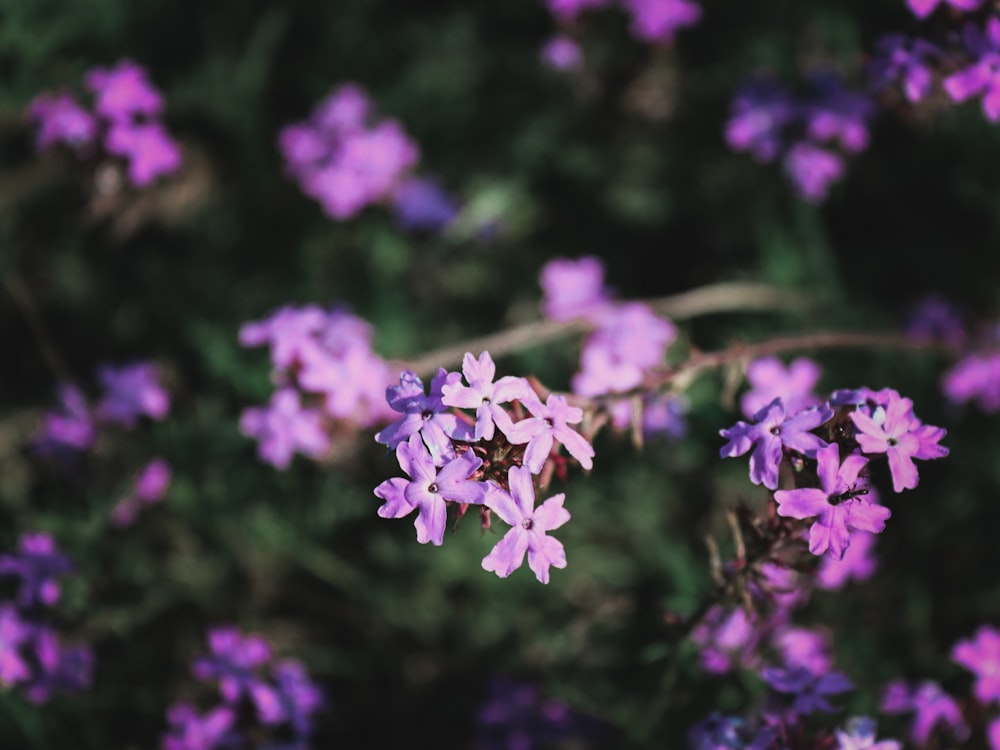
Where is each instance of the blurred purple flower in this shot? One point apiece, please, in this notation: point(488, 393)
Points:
point(805, 648)
point(562, 53)
point(810, 690)
point(836, 113)
point(234, 660)
point(13, 633)
point(124, 91)
point(283, 427)
point(573, 289)
point(983, 75)
point(130, 392)
point(151, 485)
point(931, 706)
point(420, 204)
point(981, 656)
point(923, 8)
point(70, 428)
point(515, 716)
point(770, 379)
point(37, 564)
point(61, 120)
point(975, 377)
point(900, 60)
point(59, 668)
point(759, 115)
point(812, 170)
point(936, 319)
point(190, 730)
point(859, 734)
point(148, 148)
point(658, 20)
point(857, 562)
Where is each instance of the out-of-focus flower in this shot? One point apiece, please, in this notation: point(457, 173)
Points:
point(562, 53)
point(420, 204)
point(61, 120)
point(658, 20)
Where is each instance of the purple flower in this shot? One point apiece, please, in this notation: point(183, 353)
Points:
point(936, 319)
point(517, 717)
point(836, 113)
point(345, 110)
point(528, 528)
point(573, 288)
point(983, 75)
point(932, 708)
point(899, 59)
point(420, 204)
point(483, 395)
point(124, 91)
point(812, 170)
point(804, 648)
point(981, 656)
point(426, 415)
point(61, 120)
point(838, 506)
point(859, 734)
point(190, 730)
point(975, 377)
point(233, 660)
point(13, 633)
point(151, 485)
point(772, 432)
point(59, 668)
point(761, 111)
point(70, 428)
point(429, 488)
point(810, 690)
point(37, 563)
point(718, 732)
point(130, 392)
point(857, 562)
point(725, 639)
point(629, 341)
point(898, 434)
point(283, 427)
point(923, 8)
point(993, 733)
point(562, 53)
point(148, 148)
point(658, 20)
point(770, 379)
point(299, 696)
point(550, 422)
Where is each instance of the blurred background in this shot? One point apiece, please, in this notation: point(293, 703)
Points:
point(620, 155)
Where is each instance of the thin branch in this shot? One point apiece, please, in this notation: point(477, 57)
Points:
point(21, 295)
point(714, 298)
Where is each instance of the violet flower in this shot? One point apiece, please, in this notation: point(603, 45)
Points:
point(772, 432)
point(37, 563)
point(59, 668)
point(70, 428)
point(61, 120)
point(190, 730)
point(562, 53)
point(931, 706)
point(983, 75)
point(483, 395)
point(759, 114)
point(836, 113)
point(283, 427)
point(528, 528)
point(859, 734)
point(148, 149)
point(124, 91)
point(923, 8)
point(838, 506)
point(810, 691)
point(420, 204)
point(813, 170)
point(14, 632)
point(130, 392)
point(573, 288)
point(550, 422)
point(981, 656)
point(429, 488)
point(233, 660)
point(899, 59)
point(857, 562)
point(424, 414)
point(770, 379)
point(657, 21)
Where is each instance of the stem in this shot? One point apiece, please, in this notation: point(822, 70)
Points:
point(714, 298)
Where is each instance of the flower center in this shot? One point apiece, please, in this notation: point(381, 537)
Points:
point(433, 488)
point(527, 523)
point(426, 414)
point(776, 430)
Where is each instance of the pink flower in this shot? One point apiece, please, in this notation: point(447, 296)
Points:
point(981, 655)
point(549, 422)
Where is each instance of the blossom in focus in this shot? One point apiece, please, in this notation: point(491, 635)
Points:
point(550, 422)
point(838, 506)
point(528, 528)
point(483, 395)
point(60, 668)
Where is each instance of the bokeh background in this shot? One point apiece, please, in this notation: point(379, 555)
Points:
point(623, 159)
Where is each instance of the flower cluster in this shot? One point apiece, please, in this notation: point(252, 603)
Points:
point(489, 459)
point(981, 656)
point(628, 342)
point(125, 120)
point(770, 122)
point(857, 425)
point(327, 378)
point(272, 701)
point(343, 157)
point(31, 655)
point(652, 21)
